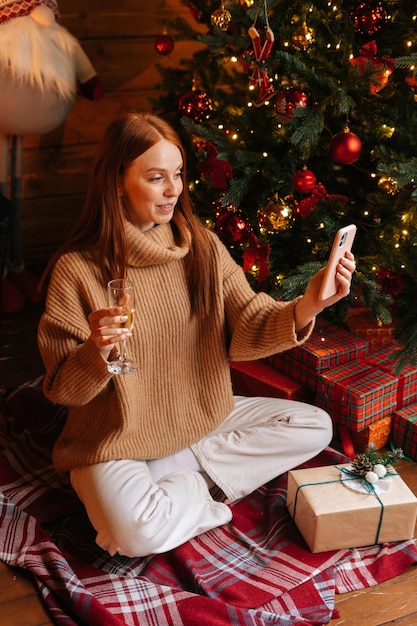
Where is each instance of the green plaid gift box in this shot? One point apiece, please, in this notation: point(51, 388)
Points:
point(357, 394)
point(327, 347)
point(404, 430)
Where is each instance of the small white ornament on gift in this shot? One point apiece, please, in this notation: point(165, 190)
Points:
point(371, 477)
point(380, 470)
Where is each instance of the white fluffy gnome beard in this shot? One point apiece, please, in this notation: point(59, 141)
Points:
point(40, 53)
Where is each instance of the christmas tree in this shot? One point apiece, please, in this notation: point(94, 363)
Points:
point(300, 118)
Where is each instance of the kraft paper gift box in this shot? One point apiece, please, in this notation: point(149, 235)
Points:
point(407, 379)
point(357, 394)
point(257, 378)
point(404, 430)
point(327, 347)
point(332, 516)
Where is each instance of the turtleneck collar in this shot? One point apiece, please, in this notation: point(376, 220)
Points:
point(154, 246)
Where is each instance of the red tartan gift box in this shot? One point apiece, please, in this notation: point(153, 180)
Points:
point(357, 394)
point(407, 380)
point(327, 347)
point(404, 430)
point(257, 378)
point(361, 323)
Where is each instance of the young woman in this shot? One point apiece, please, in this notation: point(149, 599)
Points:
point(143, 449)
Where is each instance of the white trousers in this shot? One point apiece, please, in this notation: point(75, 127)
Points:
point(140, 508)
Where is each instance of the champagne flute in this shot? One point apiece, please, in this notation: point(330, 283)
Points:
point(120, 293)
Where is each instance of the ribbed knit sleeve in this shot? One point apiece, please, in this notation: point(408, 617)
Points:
point(258, 325)
point(75, 369)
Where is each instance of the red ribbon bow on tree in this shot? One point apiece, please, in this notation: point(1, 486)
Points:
point(319, 193)
point(256, 253)
point(216, 169)
point(379, 68)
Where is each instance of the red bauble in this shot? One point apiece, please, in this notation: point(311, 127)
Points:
point(288, 100)
point(195, 104)
point(368, 17)
point(345, 148)
point(304, 181)
point(232, 228)
point(164, 44)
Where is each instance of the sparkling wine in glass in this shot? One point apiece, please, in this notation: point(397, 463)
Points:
point(120, 293)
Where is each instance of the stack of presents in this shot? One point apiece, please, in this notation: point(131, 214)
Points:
point(348, 371)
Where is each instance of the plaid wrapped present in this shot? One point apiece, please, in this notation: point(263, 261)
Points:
point(357, 394)
point(257, 378)
point(327, 347)
point(376, 435)
point(407, 380)
point(361, 323)
point(404, 430)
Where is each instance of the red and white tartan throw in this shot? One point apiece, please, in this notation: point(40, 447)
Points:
point(255, 571)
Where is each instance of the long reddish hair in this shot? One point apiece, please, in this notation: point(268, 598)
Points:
point(100, 229)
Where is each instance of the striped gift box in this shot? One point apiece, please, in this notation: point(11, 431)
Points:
point(327, 347)
point(357, 394)
point(407, 380)
point(404, 430)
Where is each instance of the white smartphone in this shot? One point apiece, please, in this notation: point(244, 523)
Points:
point(342, 242)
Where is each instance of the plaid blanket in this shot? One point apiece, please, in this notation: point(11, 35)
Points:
point(256, 571)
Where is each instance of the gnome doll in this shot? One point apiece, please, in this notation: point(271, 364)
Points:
point(41, 67)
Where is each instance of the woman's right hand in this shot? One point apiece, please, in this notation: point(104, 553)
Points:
point(106, 330)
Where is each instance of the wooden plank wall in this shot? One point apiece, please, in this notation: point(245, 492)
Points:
point(118, 37)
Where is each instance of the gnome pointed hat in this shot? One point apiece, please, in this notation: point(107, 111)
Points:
point(9, 9)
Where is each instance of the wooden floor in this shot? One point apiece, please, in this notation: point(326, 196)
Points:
point(391, 603)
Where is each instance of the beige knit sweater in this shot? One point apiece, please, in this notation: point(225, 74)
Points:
point(181, 389)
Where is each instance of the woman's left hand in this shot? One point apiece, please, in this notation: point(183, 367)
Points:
point(309, 305)
point(344, 271)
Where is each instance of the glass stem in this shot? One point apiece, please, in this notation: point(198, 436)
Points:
point(122, 351)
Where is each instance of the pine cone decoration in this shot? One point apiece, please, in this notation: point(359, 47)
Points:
point(361, 465)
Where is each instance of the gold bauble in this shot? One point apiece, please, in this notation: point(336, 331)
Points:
point(388, 184)
point(303, 37)
point(221, 18)
point(275, 216)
